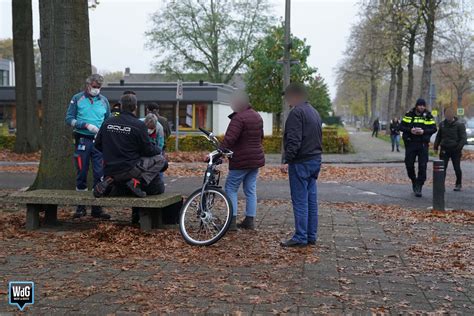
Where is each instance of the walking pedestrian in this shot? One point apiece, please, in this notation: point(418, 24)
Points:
point(302, 162)
point(395, 134)
point(417, 127)
point(376, 128)
point(244, 137)
point(86, 113)
point(451, 138)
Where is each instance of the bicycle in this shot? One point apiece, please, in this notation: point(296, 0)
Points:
point(207, 213)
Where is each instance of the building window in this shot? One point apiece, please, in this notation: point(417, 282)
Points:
point(4, 74)
point(191, 115)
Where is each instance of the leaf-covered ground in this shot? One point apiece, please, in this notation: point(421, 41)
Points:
point(369, 258)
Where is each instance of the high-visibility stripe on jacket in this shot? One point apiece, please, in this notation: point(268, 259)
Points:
point(412, 119)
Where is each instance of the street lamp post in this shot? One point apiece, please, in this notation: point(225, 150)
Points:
point(286, 68)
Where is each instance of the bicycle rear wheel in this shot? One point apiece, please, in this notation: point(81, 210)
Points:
point(205, 218)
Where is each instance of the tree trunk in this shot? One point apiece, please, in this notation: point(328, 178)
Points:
point(65, 64)
point(391, 93)
point(430, 15)
point(366, 107)
point(27, 122)
point(410, 83)
point(373, 98)
point(398, 99)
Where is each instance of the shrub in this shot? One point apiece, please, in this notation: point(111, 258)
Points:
point(7, 142)
point(335, 140)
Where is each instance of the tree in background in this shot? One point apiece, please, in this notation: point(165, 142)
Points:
point(264, 77)
point(112, 76)
point(6, 48)
point(430, 10)
point(214, 37)
point(27, 123)
point(66, 63)
point(318, 95)
point(456, 54)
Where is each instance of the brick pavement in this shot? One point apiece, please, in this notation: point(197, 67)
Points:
point(362, 264)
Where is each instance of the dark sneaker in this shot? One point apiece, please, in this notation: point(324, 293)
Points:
point(458, 188)
point(414, 187)
point(312, 242)
point(233, 224)
point(247, 223)
point(97, 212)
point(418, 191)
point(80, 212)
point(292, 243)
point(134, 186)
point(101, 188)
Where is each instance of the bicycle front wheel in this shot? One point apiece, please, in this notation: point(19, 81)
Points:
point(205, 217)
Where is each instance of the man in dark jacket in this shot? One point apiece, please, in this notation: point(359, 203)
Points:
point(244, 137)
point(376, 128)
point(452, 138)
point(131, 162)
point(302, 160)
point(417, 126)
point(395, 134)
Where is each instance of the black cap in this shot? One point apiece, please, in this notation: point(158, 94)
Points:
point(420, 102)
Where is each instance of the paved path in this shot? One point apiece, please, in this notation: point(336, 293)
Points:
point(367, 150)
point(335, 190)
point(363, 264)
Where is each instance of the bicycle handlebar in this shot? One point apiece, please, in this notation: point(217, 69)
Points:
point(204, 131)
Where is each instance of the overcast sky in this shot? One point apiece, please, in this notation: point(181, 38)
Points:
point(117, 31)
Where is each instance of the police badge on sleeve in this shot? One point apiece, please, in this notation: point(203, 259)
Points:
point(21, 293)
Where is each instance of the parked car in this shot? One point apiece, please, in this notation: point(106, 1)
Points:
point(470, 131)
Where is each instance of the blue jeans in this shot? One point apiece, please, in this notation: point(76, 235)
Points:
point(85, 153)
point(232, 184)
point(395, 141)
point(304, 197)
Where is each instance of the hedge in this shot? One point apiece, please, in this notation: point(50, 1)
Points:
point(7, 142)
point(333, 142)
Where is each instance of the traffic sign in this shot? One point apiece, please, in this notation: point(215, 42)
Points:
point(460, 112)
point(179, 90)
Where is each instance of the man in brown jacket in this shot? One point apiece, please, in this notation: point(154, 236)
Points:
point(244, 137)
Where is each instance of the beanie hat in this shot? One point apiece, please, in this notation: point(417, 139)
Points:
point(420, 102)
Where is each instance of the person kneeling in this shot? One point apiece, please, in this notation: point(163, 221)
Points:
point(132, 164)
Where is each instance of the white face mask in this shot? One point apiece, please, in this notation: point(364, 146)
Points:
point(94, 91)
point(150, 131)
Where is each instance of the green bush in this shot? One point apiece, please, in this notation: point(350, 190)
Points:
point(335, 140)
point(7, 142)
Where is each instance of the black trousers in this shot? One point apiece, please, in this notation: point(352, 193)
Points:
point(375, 133)
point(455, 156)
point(412, 152)
point(148, 174)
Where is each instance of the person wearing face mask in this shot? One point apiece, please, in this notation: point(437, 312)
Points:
point(132, 163)
point(86, 113)
point(417, 126)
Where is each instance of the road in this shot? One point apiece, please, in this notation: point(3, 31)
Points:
point(370, 152)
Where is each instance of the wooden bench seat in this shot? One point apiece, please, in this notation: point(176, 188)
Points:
point(151, 208)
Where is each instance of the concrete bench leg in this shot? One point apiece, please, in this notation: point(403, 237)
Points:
point(146, 221)
point(32, 216)
point(51, 214)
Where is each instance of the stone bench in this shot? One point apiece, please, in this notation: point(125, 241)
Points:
point(152, 209)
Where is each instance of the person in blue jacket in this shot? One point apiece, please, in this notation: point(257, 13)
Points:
point(86, 113)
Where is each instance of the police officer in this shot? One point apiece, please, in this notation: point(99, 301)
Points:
point(417, 126)
point(86, 113)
